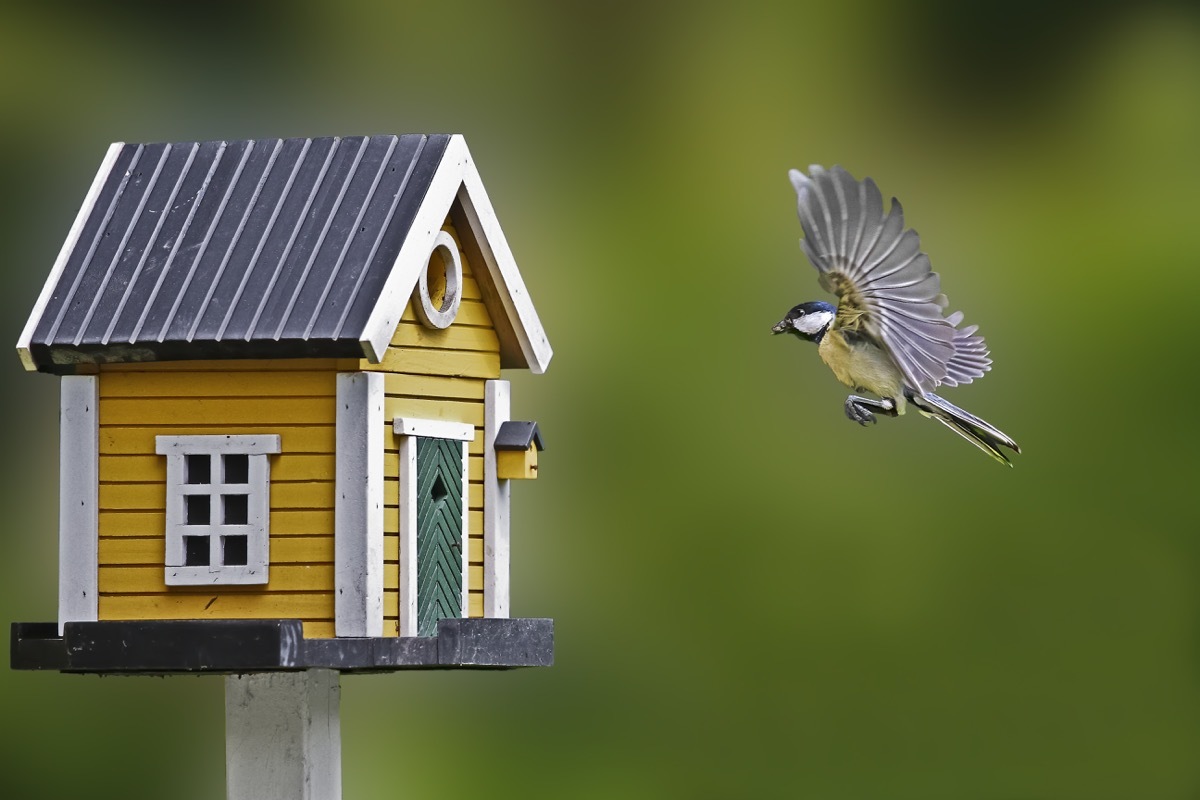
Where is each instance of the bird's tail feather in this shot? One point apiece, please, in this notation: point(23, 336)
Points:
point(983, 435)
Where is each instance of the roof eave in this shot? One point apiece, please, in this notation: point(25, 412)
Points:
point(89, 201)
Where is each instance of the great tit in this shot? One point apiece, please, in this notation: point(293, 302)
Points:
point(888, 334)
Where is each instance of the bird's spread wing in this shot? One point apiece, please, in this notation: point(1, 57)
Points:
point(884, 283)
point(970, 359)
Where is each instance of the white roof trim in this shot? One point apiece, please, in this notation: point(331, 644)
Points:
point(89, 201)
point(456, 177)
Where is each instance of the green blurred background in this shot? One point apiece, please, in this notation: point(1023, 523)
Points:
point(753, 596)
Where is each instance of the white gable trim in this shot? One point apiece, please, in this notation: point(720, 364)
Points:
point(457, 178)
point(89, 201)
point(502, 267)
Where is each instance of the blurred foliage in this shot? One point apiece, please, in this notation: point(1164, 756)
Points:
point(754, 597)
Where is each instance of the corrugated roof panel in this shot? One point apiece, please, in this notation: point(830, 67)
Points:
point(360, 304)
point(199, 315)
point(357, 194)
point(326, 205)
point(193, 247)
point(159, 258)
point(285, 225)
point(255, 248)
point(372, 246)
point(90, 238)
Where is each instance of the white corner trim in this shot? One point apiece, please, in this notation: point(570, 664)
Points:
point(60, 263)
point(283, 738)
point(358, 507)
point(408, 536)
point(433, 428)
point(414, 253)
point(503, 268)
point(78, 499)
point(496, 403)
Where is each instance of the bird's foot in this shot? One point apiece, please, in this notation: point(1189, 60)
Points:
point(857, 408)
point(858, 413)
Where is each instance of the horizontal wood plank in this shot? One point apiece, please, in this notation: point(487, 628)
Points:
point(150, 551)
point(456, 337)
point(318, 630)
point(470, 312)
point(152, 496)
point(153, 468)
point(421, 361)
point(277, 383)
point(235, 365)
point(283, 578)
point(218, 604)
point(448, 410)
point(225, 411)
point(437, 386)
point(119, 440)
point(153, 522)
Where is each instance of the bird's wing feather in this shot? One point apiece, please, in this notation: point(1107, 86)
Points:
point(885, 285)
point(970, 359)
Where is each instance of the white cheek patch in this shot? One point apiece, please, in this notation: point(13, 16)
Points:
point(812, 323)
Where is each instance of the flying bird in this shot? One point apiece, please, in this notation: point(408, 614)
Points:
point(888, 334)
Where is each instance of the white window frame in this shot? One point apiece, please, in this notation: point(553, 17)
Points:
point(256, 447)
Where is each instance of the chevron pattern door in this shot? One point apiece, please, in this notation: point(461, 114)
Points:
point(439, 532)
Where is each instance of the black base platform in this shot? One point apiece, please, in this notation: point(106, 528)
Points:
point(240, 646)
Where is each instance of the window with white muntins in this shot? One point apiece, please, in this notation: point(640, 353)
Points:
point(218, 508)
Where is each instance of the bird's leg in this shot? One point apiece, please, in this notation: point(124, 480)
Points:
point(857, 408)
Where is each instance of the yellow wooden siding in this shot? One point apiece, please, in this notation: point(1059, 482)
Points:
point(141, 401)
point(440, 374)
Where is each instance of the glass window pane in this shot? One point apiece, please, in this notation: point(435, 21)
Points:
point(196, 509)
point(198, 469)
point(237, 468)
point(195, 551)
point(237, 509)
point(234, 551)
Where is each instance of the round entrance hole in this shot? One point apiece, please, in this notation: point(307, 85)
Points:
point(440, 285)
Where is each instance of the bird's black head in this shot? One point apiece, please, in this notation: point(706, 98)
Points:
point(807, 320)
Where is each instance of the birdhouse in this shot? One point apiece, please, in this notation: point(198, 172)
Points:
point(517, 445)
point(285, 438)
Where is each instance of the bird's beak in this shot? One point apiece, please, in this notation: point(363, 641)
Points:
point(780, 326)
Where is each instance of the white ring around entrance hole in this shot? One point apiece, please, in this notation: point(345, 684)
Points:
point(439, 289)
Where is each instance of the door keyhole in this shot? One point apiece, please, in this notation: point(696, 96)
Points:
point(438, 491)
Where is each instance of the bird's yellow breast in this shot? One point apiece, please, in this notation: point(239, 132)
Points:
point(862, 366)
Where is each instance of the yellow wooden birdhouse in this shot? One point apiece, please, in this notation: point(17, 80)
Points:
point(517, 445)
point(285, 436)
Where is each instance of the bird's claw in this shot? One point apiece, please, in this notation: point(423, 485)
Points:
point(857, 413)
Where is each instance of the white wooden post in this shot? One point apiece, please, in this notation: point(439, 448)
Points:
point(495, 500)
point(78, 499)
point(283, 737)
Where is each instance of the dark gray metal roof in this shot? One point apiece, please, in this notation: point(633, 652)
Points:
point(518, 435)
point(257, 249)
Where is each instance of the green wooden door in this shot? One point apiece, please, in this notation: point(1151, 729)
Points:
point(439, 532)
